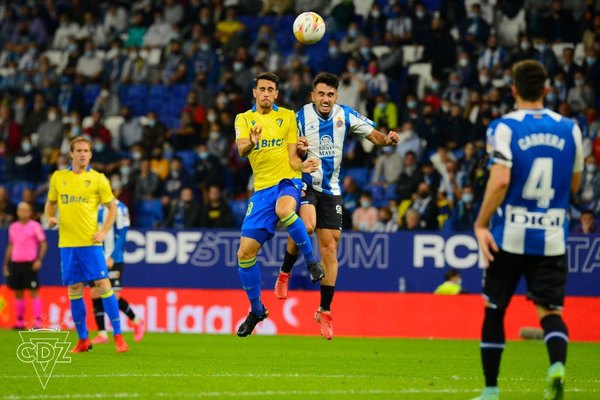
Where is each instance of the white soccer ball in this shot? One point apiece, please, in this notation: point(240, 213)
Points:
point(309, 27)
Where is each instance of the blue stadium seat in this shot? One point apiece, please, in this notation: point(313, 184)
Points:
point(90, 93)
point(148, 213)
point(179, 92)
point(159, 91)
point(188, 158)
point(238, 209)
point(17, 189)
point(361, 175)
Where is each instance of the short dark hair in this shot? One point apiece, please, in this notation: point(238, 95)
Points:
point(451, 274)
point(529, 77)
point(326, 78)
point(268, 76)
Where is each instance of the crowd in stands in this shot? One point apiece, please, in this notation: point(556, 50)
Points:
point(155, 85)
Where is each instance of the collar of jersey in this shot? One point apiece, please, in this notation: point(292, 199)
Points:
point(314, 106)
point(532, 110)
point(275, 108)
point(89, 168)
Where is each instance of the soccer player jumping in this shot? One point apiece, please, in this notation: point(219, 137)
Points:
point(268, 136)
point(536, 157)
point(324, 124)
point(77, 192)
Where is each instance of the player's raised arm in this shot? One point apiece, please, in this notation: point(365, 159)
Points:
point(379, 139)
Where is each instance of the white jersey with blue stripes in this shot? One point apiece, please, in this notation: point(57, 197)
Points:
point(114, 241)
point(326, 138)
point(542, 149)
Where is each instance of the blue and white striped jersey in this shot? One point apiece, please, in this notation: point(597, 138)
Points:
point(542, 149)
point(114, 242)
point(326, 138)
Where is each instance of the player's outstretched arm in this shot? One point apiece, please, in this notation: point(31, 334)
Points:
point(246, 145)
point(111, 216)
point(50, 213)
point(379, 139)
point(7, 254)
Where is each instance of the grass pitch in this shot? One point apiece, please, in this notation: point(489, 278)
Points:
point(182, 366)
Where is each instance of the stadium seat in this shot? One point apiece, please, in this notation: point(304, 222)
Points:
point(54, 56)
point(411, 54)
point(90, 93)
point(113, 123)
point(87, 122)
point(179, 92)
point(423, 71)
point(362, 176)
point(149, 213)
point(238, 209)
point(16, 192)
point(379, 51)
point(579, 56)
point(188, 159)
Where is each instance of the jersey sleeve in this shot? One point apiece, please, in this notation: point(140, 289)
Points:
point(293, 130)
point(39, 232)
point(578, 164)
point(52, 192)
point(499, 136)
point(122, 221)
point(359, 124)
point(242, 130)
point(106, 194)
point(300, 122)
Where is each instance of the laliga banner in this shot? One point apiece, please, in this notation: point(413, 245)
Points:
point(370, 262)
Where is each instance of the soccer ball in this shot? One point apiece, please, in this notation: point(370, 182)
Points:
point(309, 27)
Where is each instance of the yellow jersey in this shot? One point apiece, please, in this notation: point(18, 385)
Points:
point(78, 197)
point(269, 159)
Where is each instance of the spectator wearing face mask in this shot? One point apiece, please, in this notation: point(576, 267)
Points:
point(177, 179)
point(335, 61)
point(184, 211)
point(364, 218)
point(581, 96)
point(589, 188)
point(464, 213)
point(208, 170)
point(135, 69)
point(353, 39)
point(153, 132)
point(104, 158)
point(159, 164)
point(388, 166)
point(89, 66)
point(425, 205)
point(545, 55)
point(50, 136)
point(26, 165)
point(216, 213)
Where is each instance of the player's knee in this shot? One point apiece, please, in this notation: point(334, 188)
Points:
point(244, 254)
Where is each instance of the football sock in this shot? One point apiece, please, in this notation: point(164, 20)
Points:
point(288, 262)
point(99, 314)
point(556, 337)
point(111, 307)
point(37, 307)
point(124, 306)
point(249, 271)
point(492, 345)
point(299, 235)
point(326, 297)
point(20, 310)
point(78, 313)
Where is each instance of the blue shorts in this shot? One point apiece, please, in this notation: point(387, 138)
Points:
point(82, 264)
point(261, 220)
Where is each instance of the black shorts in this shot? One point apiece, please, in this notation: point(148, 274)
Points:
point(545, 276)
point(328, 207)
point(22, 276)
point(114, 276)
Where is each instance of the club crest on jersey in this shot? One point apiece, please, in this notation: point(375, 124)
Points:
point(326, 146)
point(253, 122)
point(339, 123)
point(279, 122)
point(88, 183)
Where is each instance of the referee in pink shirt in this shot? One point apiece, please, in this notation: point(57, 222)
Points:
point(23, 259)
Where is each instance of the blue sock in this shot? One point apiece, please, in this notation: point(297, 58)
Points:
point(111, 308)
point(78, 314)
point(249, 271)
point(299, 235)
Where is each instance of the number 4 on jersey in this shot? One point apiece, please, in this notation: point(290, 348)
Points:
point(539, 182)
